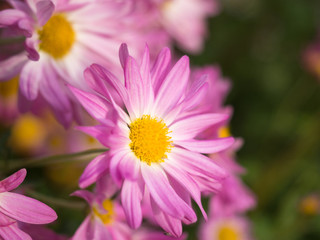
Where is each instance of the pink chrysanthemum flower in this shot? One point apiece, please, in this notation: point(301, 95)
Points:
point(153, 145)
point(226, 228)
point(16, 208)
point(62, 37)
point(185, 22)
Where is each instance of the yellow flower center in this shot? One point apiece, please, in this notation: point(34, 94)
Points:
point(149, 139)
point(107, 217)
point(57, 36)
point(227, 233)
point(224, 132)
point(28, 133)
point(310, 205)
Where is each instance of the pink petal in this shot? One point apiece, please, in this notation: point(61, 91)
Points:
point(94, 170)
point(31, 48)
point(131, 196)
point(96, 106)
point(26, 209)
point(10, 17)
point(197, 164)
point(12, 66)
point(173, 86)
point(167, 222)
point(115, 171)
point(100, 231)
point(30, 78)
point(12, 232)
point(163, 193)
point(6, 221)
point(123, 54)
point(160, 68)
point(13, 181)
point(207, 146)
point(84, 194)
point(189, 127)
point(186, 182)
point(83, 231)
point(98, 132)
point(129, 167)
point(44, 11)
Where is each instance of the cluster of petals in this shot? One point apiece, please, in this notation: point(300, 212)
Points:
point(77, 34)
point(106, 220)
point(16, 208)
point(159, 91)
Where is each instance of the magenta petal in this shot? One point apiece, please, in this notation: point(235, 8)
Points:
point(168, 223)
point(94, 170)
point(12, 232)
point(30, 78)
point(6, 221)
point(207, 146)
point(163, 193)
point(131, 196)
point(173, 86)
point(191, 126)
point(9, 17)
point(96, 106)
point(123, 54)
point(83, 231)
point(12, 66)
point(13, 181)
point(31, 48)
point(26, 209)
point(86, 195)
point(44, 11)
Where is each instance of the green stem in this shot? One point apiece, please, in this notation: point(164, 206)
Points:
point(42, 161)
point(58, 202)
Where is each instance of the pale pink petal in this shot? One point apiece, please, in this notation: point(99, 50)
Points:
point(167, 222)
point(13, 181)
point(94, 170)
point(135, 86)
point(44, 11)
point(10, 17)
point(98, 132)
point(189, 127)
point(115, 171)
point(197, 164)
point(129, 167)
point(26, 209)
point(160, 68)
point(100, 232)
point(12, 66)
point(163, 193)
point(30, 78)
point(84, 194)
point(186, 182)
point(173, 86)
point(12, 232)
point(131, 196)
point(207, 146)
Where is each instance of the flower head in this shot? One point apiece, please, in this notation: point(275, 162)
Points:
point(16, 208)
point(153, 144)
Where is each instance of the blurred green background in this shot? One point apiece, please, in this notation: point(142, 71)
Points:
point(259, 45)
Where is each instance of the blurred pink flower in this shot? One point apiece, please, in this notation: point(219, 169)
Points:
point(184, 21)
point(62, 38)
point(152, 145)
point(16, 208)
point(226, 228)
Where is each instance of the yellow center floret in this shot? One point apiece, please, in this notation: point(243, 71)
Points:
point(107, 217)
point(149, 139)
point(228, 233)
point(56, 36)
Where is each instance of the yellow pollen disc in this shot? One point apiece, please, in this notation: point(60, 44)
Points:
point(56, 36)
point(107, 217)
point(310, 206)
point(228, 233)
point(224, 132)
point(149, 139)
